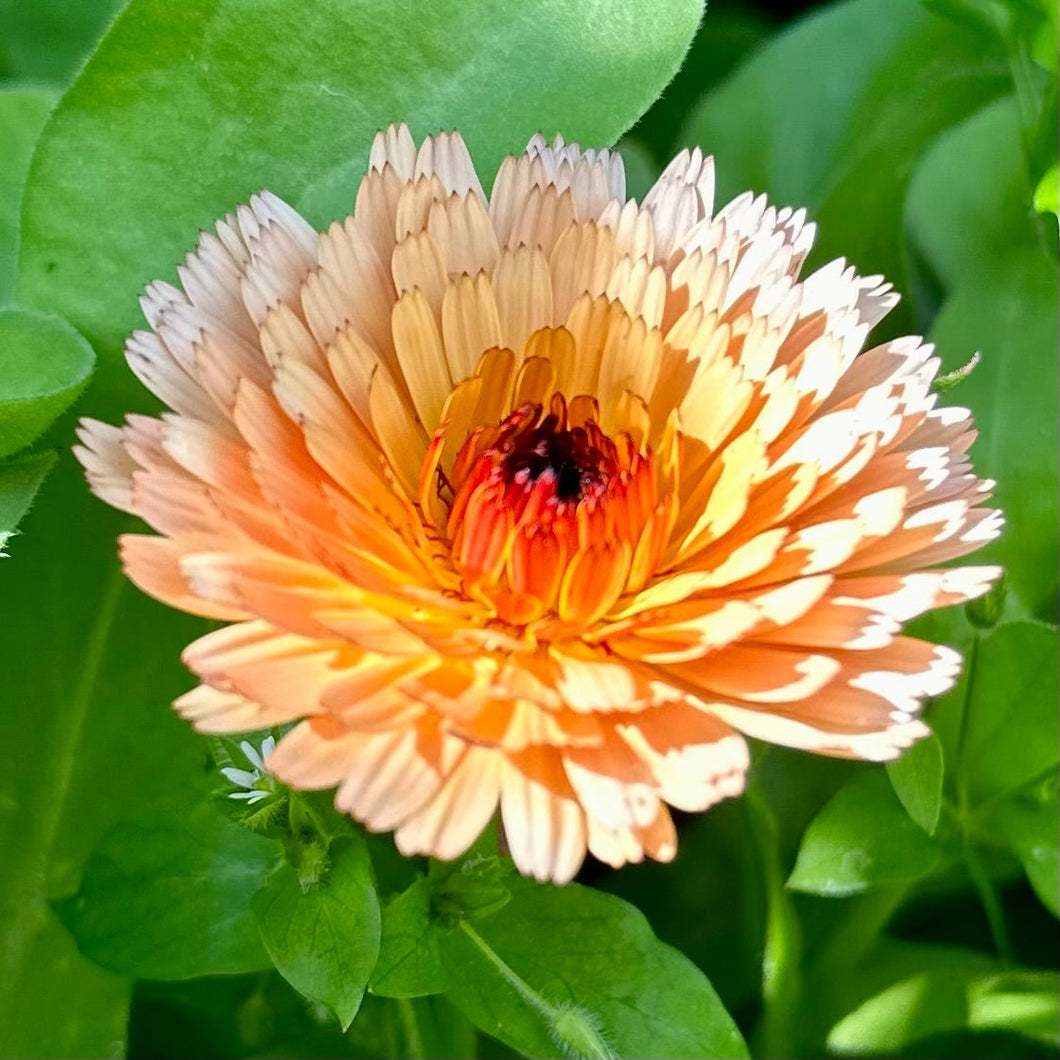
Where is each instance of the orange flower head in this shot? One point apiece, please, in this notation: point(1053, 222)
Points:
point(542, 500)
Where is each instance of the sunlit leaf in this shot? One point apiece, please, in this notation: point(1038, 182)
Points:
point(862, 838)
point(937, 1002)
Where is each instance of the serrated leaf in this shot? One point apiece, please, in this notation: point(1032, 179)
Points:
point(44, 365)
point(862, 838)
point(167, 896)
point(324, 939)
point(19, 482)
point(578, 947)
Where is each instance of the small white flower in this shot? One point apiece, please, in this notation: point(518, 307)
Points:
point(255, 782)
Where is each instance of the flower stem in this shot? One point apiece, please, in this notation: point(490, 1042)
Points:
point(991, 903)
point(781, 962)
point(410, 1027)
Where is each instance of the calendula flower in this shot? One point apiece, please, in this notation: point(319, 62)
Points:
point(541, 500)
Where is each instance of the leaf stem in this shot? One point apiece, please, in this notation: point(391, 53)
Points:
point(561, 1020)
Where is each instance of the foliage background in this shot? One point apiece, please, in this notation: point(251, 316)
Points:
point(838, 909)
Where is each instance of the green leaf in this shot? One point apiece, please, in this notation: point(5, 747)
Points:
point(167, 895)
point(409, 964)
point(1047, 194)
point(123, 179)
point(48, 41)
point(44, 365)
point(90, 668)
point(1029, 823)
point(968, 203)
point(595, 959)
point(862, 838)
point(324, 938)
point(842, 105)
point(1012, 727)
point(970, 218)
point(1012, 319)
point(942, 1001)
point(917, 781)
point(797, 93)
point(19, 482)
point(22, 115)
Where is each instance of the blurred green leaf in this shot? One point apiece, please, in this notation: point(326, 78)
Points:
point(323, 937)
point(1012, 730)
point(862, 838)
point(797, 94)
point(842, 105)
point(575, 947)
point(167, 896)
point(44, 365)
point(937, 1002)
point(174, 120)
point(1029, 823)
point(1047, 194)
point(968, 207)
point(47, 40)
point(19, 482)
point(1012, 319)
point(23, 112)
point(90, 668)
point(917, 781)
point(409, 964)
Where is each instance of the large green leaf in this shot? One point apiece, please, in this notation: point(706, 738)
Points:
point(593, 958)
point(44, 365)
point(167, 896)
point(323, 936)
point(862, 838)
point(22, 115)
point(175, 119)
